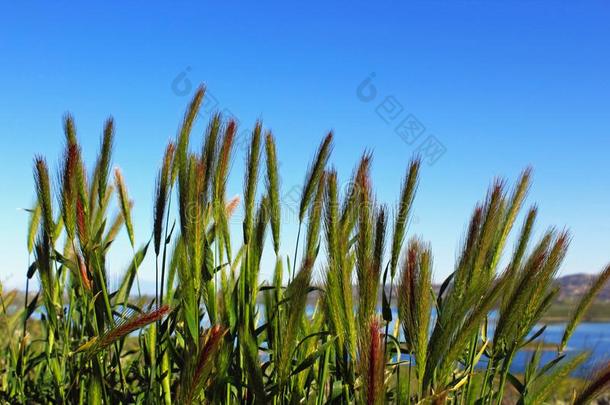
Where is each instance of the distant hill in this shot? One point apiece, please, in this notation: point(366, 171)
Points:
point(572, 287)
point(575, 285)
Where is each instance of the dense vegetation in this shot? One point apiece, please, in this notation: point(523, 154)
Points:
point(215, 333)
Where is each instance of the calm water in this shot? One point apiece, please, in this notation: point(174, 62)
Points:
point(592, 337)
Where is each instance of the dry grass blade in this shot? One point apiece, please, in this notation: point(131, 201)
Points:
point(231, 206)
point(123, 329)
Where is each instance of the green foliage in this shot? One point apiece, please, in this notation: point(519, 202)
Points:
point(214, 333)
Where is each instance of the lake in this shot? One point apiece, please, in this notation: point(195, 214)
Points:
point(592, 337)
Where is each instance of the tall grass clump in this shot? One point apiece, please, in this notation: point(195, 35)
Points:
point(348, 312)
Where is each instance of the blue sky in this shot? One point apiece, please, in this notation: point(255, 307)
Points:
point(500, 85)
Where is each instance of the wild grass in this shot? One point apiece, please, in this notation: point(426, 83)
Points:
point(216, 333)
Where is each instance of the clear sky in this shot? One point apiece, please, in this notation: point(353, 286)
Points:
point(500, 86)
